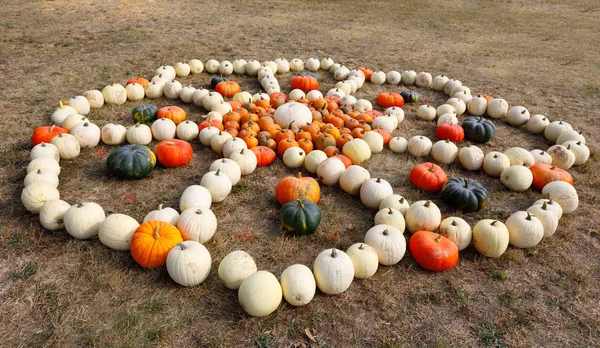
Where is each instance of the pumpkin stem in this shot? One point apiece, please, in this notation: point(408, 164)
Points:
point(528, 216)
point(523, 112)
point(181, 245)
point(544, 206)
point(333, 253)
point(550, 201)
point(401, 200)
point(300, 203)
point(453, 223)
point(493, 223)
point(79, 204)
point(385, 232)
point(495, 156)
point(199, 211)
point(390, 212)
point(242, 152)
point(378, 180)
point(159, 206)
point(39, 171)
point(299, 175)
point(466, 183)
point(427, 204)
point(432, 169)
point(553, 167)
point(218, 172)
point(52, 129)
point(156, 234)
point(361, 247)
point(438, 238)
point(42, 144)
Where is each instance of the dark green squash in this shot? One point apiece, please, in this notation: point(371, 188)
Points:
point(410, 96)
point(144, 113)
point(131, 162)
point(464, 194)
point(300, 217)
point(478, 129)
point(215, 81)
point(308, 73)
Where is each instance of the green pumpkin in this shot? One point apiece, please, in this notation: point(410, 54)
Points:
point(410, 96)
point(464, 194)
point(308, 73)
point(144, 113)
point(131, 162)
point(215, 81)
point(300, 217)
point(478, 129)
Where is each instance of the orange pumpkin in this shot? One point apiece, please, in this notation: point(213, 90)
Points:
point(543, 174)
point(277, 99)
point(45, 134)
point(152, 241)
point(139, 80)
point(235, 104)
point(263, 103)
point(264, 155)
point(284, 134)
point(306, 145)
point(297, 187)
point(368, 72)
point(331, 151)
point(232, 116)
point(342, 140)
point(228, 88)
point(427, 176)
point(433, 251)
point(387, 136)
point(347, 162)
point(268, 142)
point(173, 113)
point(173, 153)
point(264, 121)
point(250, 141)
point(323, 140)
point(252, 125)
point(286, 144)
point(389, 99)
point(305, 83)
point(212, 123)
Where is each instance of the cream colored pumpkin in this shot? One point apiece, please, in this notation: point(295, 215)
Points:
point(444, 151)
point(397, 112)
point(457, 230)
point(342, 73)
point(364, 259)
point(444, 109)
point(392, 217)
point(45, 150)
point(252, 67)
point(374, 140)
point(373, 191)
point(61, 113)
point(423, 216)
point(72, 120)
point(189, 263)
point(458, 90)
point(95, 98)
point(450, 85)
point(212, 66)
point(114, 94)
point(537, 124)
point(555, 129)
point(294, 157)
point(187, 130)
point(551, 206)
point(222, 108)
point(67, 146)
point(570, 135)
point(52, 214)
point(139, 134)
point(517, 116)
point(163, 129)
point(167, 71)
point(313, 64)
point(217, 142)
point(335, 92)
point(519, 156)
point(547, 217)
point(330, 170)
point(135, 92)
point(517, 178)
point(113, 134)
point(227, 167)
point(260, 294)
point(206, 135)
point(197, 224)
point(154, 90)
point(497, 108)
point(232, 145)
point(449, 118)
point(242, 97)
point(116, 231)
point(42, 174)
point(246, 159)
point(426, 113)
point(282, 64)
point(225, 68)
point(314, 95)
point(334, 271)
point(477, 106)
point(438, 82)
point(353, 178)
point(296, 64)
point(524, 230)
point(83, 220)
point(292, 112)
point(562, 193)
point(298, 285)
point(358, 150)
point(313, 159)
point(398, 144)
point(464, 96)
point(211, 99)
point(218, 184)
point(235, 267)
point(388, 242)
point(344, 86)
point(296, 94)
point(424, 79)
point(494, 163)
point(363, 105)
point(409, 77)
point(187, 94)
point(45, 163)
point(581, 151)
point(160, 80)
point(562, 157)
point(459, 105)
point(239, 66)
point(541, 156)
point(172, 88)
point(348, 100)
point(393, 77)
point(195, 196)
point(471, 157)
point(34, 195)
point(87, 134)
point(419, 146)
point(326, 63)
point(490, 237)
point(397, 202)
point(165, 214)
point(199, 95)
point(385, 122)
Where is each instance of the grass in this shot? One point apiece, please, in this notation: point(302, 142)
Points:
point(58, 291)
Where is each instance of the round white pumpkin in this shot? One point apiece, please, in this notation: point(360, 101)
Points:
point(36, 194)
point(189, 263)
point(490, 237)
point(524, 230)
point(388, 242)
point(334, 271)
point(235, 267)
point(82, 220)
point(260, 294)
point(423, 216)
point(116, 231)
point(197, 224)
point(562, 193)
point(166, 214)
point(298, 285)
point(52, 214)
point(195, 196)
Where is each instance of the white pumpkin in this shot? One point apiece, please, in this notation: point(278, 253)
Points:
point(464, 96)
point(424, 79)
point(336, 92)
point(211, 99)
point(517, 178)
point(385, 122)
point(87, 134)
point(296, 64)
point(225, 68)
point(42, 174)
point(581, 151)
point(52, 214)
point(398, 144)
point(196, 66)
point(242, 97)
point(187, 94)
point(189, 263)
point(547, 217)
point(541, 156)
point(363, 105)
point(392, 217)
point(207, 133)
point(239, 66)
point(524, 230)
point(292, 112)
point(551, 206)
point(396, 202)
point(450, 85)
point(160, 80)
point(344, 86)
point(113, 134)
point(334, 271)
point(80, 103)
point(61, 113)
point(116, 231)
point(409, 77)
point(139, 134)
point(114, 94)
point(419, 146)
point(490, 237)
point(222, 108)
point(154, 90)
point(232, 145)
point(82, 220)
point(296, 94)
point(326, 63)
point(165, 214)
point(252, 67)
point(298, 285)
point(163, 129)
point(135, 92)
point(555, 129)
point(313, 64)
point(458, 90)
point(562, 157)
point(378, 78)
point(34, 195)
point(313, 159)
point(497, 108)
point(444, 151)
point(283, 65)
point(166, 70)
point(353, 178)
point(182, 69)
point(67, 146)
point(73, 120)
point(246, 159)
point(471, 157)
point(235, 267)
point(373, 191)
point(45, 150)
point(393, 77)
point(199, 95)
point(449, 118)
point(494, 163)
point(397, 112)
point(187, 130)
point(517, 116)
point(341, 74)
point(537, 124)
point(197, 224)
point(227, 167)
point(330, 170)
point(457, 230)
point(294, 157)
point(314, 95)
point(357, 150)
point(172, 88)
point(477, 106)
point(458, 104)
point(218, 184)
point(95, 98)
point(195, 196)
point(364, 259)
point(49, 164)
point(423, 216)
point(348, 100)
point(439, 82)
point(562, 193)
point(374, 140)
point(444, 109)
point(388, 242)
point(260, 294)
point(212, 66)
point(519, 156)
point(570, 135)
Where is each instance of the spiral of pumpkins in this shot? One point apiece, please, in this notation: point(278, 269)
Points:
point(330, 136)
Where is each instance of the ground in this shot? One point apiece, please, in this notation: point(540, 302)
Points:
point(58, 291)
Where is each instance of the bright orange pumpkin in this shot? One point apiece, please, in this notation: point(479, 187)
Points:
point(433, 251)
point(172, 112)
point(228, 88)
point(291, 188)
point(173, 153)
point(264, 155)
point(139, 80)
point(389, 99)
point(323, 140)
point(543, 174)
point(427, 176)
point(286, 144)
point(44, 134)
point(305, 83)
point(152, 241)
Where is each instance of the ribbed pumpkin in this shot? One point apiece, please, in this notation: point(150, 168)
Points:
point(544, 174)
point(300, 217)
point(131, 162)
point(228, 88)
point(296, 187)
point(478, 129)
point(427, 176)
point(264, 155)
point(144, 113)
point(152, 241)
point(173, 153)
point(433, 251)
point(45, 134)
point(449, 131)
point(305, 83)
point(173, 113)
point(389, 99)
point(465, 194)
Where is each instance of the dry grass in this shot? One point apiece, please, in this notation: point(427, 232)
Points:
point(63, 292)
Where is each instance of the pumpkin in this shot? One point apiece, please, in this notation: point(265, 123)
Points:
point(67, 145)
point(154, 90)
point(517, 116)
point(423, 216)
point(294, 157)
point(45, 163)
point(45, 134)
point(197, 224)
point(144, 113)
point(187, 94)
point(398, 144)
point(196, 66)
point(36, 194)
point(444, 151)
point(300, 217)
point(131, 162)
point(217, 142)
point(173, 113)
point(334, 271)
point(163, 129)
point(570, 135)
point(352, 179)
point(113, 134)
point(517, 178)
point(114, 94)
point(478, 129)
point(546, 173)
point(373, 191)
point(313, 159)
point(456, 230)
point(330, 170)
point(497, 108)
point(395, 202)
point(581, 151)
point(452, 132)
point(519, 156)
point(218, 184)
point(187, 130)
point(189, 263)
point(388, 99)
point(562, 157)
point(445, 109)
point(216, 80)
point(364, 259)
point(292, 113)
point(547, 217)
point(195, 196)
point(82, 220)
point(458, 104)
point(562, 193)
point(173, 153)
point(260, 294)
point(490, 237)
point(410, 97)
point(152, 241)
point(357, 150)
point(298, 285)
point(537, 124)
point(227, 167)
point(465, 194)
point(52, 214)
point(45, 150)
point(264, 155)
point(41, 174)
point(477, 106)
point(225, 68)
point(166, 214)
point(61, 113)
point(296, 187)
point(419, 146)
point(388, 242)
point(424, 79)
point(409, 77)
point(95, 98)
point(116, 231)
point(524, 230)
point(378, 78)
point(427, 176)
point(235, 267)
point(426, 113)
point(246, 159)
point(87, 134)
point(433, 251)
point(448, 118)
point(471, 157)
point(494, 163)
point(439, 82)
point(139, 134)
point(392, 217)
point(167, 71)
point(305, 83)
point(135, 91)
point(228, 88)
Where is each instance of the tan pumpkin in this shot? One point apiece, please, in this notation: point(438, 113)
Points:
point(494, 163)
point(353, 178)
point(392, 217)
point(423, 216)
point(397, 202)
point(471, 157)
point(373, 191)
point(457, 230)
point(562, 193)
point(490, 237)
point(517, 178)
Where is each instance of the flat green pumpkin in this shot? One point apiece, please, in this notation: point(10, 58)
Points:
point(300, 217)
point(464, 194)
point(144, 113)
point(131, 162)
